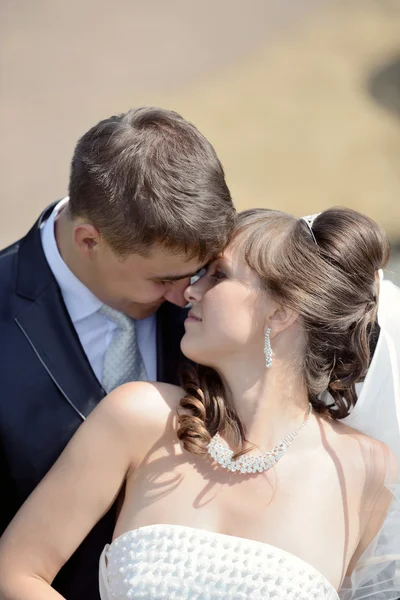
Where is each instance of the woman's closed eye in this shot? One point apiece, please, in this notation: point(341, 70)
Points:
point(212, 271)
point(217, 275)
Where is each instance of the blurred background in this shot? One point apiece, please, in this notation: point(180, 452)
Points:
point(301, 98)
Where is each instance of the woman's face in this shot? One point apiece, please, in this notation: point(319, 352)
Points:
point(228, 314)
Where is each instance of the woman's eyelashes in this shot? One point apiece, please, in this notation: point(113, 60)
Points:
point(215, 272)
point(212, 271)
point(217, 275)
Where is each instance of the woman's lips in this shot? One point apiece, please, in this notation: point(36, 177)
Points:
point(192, 317)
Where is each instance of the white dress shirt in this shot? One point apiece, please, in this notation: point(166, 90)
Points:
point(94, 330)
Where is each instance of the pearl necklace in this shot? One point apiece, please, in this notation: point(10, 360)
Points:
point(248, 463)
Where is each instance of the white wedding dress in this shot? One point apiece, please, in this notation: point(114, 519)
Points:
point(174, 562)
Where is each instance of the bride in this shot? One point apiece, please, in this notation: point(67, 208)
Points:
point(246, 483)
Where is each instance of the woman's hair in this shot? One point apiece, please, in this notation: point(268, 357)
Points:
point(331, 282)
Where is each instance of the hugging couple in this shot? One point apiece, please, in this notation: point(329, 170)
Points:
point(195, 404)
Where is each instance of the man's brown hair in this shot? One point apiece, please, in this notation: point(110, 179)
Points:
point(150, 177)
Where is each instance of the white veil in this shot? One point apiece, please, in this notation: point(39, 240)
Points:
point(377, 413)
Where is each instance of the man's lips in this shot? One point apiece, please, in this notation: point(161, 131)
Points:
point(192, 317)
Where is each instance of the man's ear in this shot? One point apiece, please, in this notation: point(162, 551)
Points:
point(86, 237)
point(282, 318)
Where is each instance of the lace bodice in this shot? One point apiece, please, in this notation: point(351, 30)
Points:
point(167, 562)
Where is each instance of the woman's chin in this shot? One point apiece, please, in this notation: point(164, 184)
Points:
point(192, 350)
point(186, 347)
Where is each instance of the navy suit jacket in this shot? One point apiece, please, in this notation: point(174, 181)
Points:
point(47, 388)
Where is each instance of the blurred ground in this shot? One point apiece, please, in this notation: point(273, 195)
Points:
point(300, 98)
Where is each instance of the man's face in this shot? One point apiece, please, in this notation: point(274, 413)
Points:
point(138, 285)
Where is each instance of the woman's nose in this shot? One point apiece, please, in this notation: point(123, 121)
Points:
point(193, 292)
point(187, 294)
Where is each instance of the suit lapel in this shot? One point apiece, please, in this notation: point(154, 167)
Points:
point(170, 331)
point(44, 320)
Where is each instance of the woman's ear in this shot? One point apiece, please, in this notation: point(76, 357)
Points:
point(282, 318)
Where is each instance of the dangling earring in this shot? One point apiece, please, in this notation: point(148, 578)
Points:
point(267, 348)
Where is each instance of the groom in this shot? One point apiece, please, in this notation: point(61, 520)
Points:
point(92, 296)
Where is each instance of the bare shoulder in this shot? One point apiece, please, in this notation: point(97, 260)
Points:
point(363, 452)
point(143, 402)
point(141, 412)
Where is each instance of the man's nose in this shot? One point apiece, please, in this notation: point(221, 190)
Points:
point(175, 292)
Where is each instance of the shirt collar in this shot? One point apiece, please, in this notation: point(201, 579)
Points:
point(79, 300)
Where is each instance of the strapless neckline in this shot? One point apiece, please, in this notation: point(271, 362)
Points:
point(134, 544)
point(208, 533)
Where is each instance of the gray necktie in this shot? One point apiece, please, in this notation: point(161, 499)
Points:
point(123, 361)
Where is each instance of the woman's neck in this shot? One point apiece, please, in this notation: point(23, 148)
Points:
point(269, 402)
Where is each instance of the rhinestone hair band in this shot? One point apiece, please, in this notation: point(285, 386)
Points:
point(309, 221)
point(252, 464)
